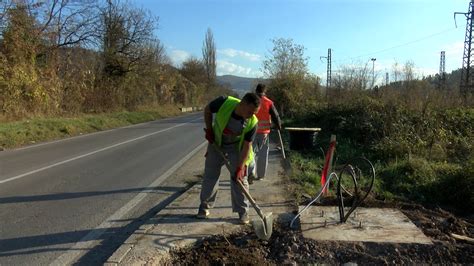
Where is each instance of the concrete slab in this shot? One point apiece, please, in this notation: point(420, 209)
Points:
point(365, 224)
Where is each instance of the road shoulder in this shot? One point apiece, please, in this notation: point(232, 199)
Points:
point(176, 225)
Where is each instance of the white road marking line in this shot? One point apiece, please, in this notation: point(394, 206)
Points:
point(83, 245)
point(90, 153)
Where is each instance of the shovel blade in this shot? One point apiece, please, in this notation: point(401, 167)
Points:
point(264, 227)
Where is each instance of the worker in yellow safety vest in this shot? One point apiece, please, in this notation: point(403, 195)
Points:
point(266, 114)
point(233, 130)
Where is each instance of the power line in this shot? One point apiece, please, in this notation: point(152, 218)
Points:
point(397, 46)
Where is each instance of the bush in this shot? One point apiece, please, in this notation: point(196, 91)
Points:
point(410, 178)
point(456, 188)
point(424, 156)
point(389, 131)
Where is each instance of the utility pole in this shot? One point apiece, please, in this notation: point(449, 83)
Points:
point(373, 71)
point(386, 78)
point(328, 75)
point(467, 75)
point(442, 70)
point(328, 81)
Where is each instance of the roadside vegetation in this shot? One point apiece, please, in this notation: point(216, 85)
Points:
point(66, 64)
point(424, 159)
point(418, 132)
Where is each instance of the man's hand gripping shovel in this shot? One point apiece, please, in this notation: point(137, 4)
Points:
point(264, 226)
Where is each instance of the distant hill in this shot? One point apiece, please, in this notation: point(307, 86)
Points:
point(240, 85)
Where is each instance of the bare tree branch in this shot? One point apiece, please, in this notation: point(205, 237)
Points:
point(4, 7)
point(65, 22)
point(353, 77)
point(126, 34)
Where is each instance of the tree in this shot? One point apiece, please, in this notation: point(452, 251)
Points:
point(66, 22)
point(59, 22)
point(209, 56)
point(4, 7)
point(408, 71)
point(397, 73)
point(194, 70)
point(23, 92)
point(291, 85)
point(125, 33)
point(353, 77)
point(286, 59)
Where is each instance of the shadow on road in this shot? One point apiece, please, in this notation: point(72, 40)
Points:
point(74, 195)
point(110, 240)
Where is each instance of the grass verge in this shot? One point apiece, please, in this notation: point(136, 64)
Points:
point(20, 133)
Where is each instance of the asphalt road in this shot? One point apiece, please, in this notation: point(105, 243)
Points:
point(75, 200)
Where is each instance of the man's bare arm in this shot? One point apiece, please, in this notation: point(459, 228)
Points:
point(208, 117)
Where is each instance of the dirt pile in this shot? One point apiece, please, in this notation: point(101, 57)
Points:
point(288, 247)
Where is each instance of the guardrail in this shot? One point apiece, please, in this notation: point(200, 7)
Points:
point(190, 109)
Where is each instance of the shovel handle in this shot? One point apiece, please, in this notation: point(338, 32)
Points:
point(249, 197)
point(281, 143)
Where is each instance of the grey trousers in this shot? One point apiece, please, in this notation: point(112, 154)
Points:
point(260, 159)
point(210, 182)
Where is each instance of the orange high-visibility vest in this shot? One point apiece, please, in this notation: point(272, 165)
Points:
point(263, 115)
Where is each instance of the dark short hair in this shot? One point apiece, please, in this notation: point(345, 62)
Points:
point(251, 98)
point(261, 88)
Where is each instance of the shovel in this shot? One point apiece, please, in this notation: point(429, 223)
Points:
point(281, 143)
point(264, 226)
point(286, 163)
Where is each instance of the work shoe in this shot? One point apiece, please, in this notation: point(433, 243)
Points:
point(203, 214)
point(244, 218)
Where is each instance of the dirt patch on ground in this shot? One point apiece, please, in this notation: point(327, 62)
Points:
point(288, 246)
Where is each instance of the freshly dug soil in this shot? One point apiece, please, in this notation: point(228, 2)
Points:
point(288, 246)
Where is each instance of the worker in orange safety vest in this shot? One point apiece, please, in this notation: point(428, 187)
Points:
point(266, 114)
